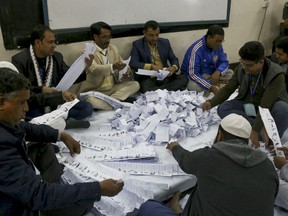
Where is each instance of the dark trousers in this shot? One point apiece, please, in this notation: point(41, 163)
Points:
point(173, 83)
point(79, 111)
point(153, 207)
point(43, 157)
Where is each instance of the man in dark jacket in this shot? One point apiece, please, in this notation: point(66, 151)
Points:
point(45, 67)
point(153, 53)
point(260, 82)
point(232, 178)
point(22, 192)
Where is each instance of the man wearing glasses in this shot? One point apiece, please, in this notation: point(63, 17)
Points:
point(103, 74)
point(205, 62)
point(260, 82)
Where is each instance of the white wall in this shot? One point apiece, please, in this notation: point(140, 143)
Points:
point(245, 22)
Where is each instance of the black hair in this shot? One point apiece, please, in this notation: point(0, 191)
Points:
point(12, 82)
point(95, 28)
point(282, 43)
point(215, 30)
point(38, 32)
point(151, 24)
point(252, 51)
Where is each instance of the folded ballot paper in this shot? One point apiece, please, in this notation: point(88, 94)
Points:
point(161, 74)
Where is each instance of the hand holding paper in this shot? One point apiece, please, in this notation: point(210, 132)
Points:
point(76, 68)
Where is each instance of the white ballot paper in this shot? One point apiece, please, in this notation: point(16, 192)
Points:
point(111, 101)
point(76, 69)
point(161, 75)
point(147, 72)
point(124, 70)
point(271, 129)
point(60, 112)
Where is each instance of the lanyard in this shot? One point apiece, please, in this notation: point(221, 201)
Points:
point(252, 90)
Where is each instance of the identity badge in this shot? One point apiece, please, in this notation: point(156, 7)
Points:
point(250, 109)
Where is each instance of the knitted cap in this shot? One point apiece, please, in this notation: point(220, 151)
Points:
point(6, 64)
point(236, 125)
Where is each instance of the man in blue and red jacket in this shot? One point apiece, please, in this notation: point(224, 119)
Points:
point(205, 62)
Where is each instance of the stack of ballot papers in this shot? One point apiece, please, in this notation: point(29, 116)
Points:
point(161, 116)
point(134, 150)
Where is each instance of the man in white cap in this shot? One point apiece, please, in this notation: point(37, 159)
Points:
point(233, 178)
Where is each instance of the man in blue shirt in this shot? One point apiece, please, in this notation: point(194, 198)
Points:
point(205, 62)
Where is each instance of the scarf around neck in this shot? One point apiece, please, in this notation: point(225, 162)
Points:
point(48, 69)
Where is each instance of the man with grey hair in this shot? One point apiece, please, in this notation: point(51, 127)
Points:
point(22, 191)
point(43, 99)
point(228, 174)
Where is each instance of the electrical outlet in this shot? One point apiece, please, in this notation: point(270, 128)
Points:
point(265, 4)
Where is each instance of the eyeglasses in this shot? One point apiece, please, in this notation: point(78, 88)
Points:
point(245, 65)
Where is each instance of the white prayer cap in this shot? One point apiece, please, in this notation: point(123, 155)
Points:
point(236, 125)
point(6, 64)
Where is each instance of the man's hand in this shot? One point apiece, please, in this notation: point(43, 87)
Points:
point(264, 136)
point(118, 66)
point(88, 61)
point(68, 96)
point(206, 106)
point(215, 77)
point(279, 162)
point(171, 145)
point(127, 75)
point(72, 144)
point(111, 187)
point(285, 150)
point(155, 67)
point(215, 89)
point(47, 89)
point(171, 70)
point(254, 137)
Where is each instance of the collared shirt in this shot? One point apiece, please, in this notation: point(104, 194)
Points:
point(104, 56)
point(155, 58)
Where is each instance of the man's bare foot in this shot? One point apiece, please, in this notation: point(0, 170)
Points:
point(174, 203)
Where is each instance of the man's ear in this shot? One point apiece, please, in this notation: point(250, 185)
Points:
point(37, 42)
